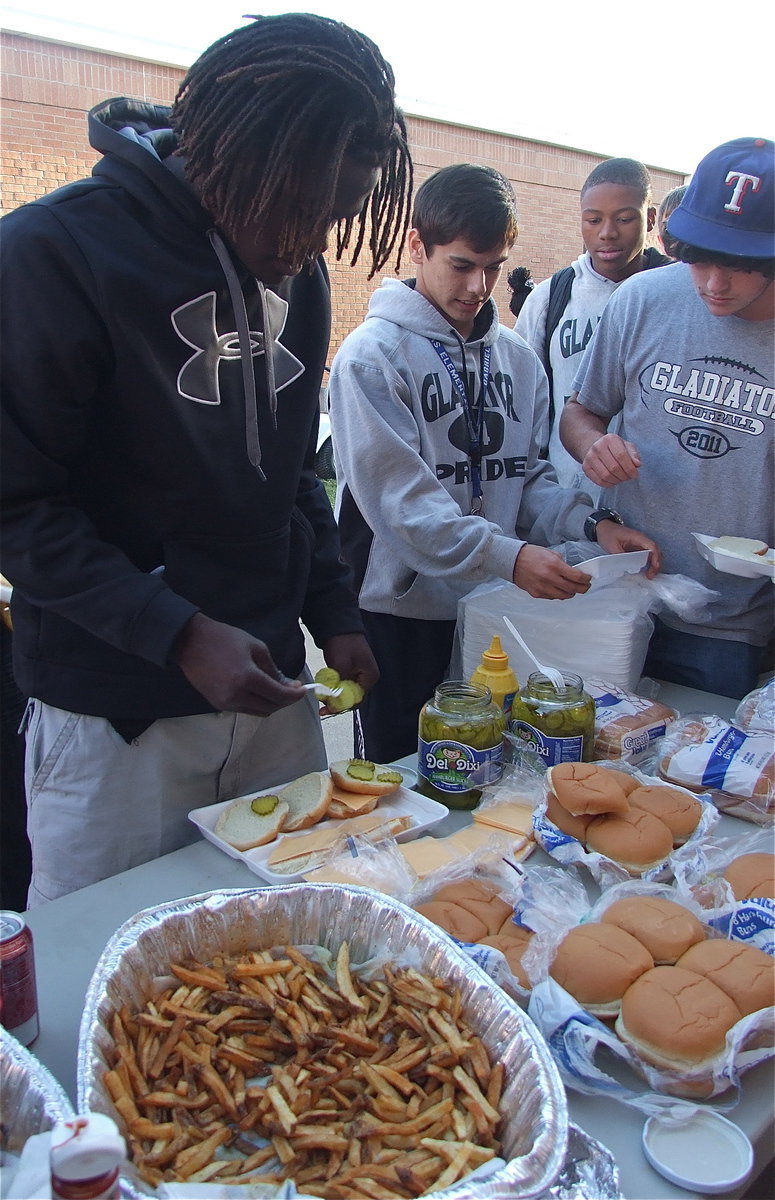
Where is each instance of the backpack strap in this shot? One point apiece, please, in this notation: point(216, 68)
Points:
point(560, 289)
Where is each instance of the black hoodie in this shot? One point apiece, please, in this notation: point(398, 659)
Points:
point(145, 476)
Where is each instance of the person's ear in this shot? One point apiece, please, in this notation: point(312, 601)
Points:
point(651, 218)
point(414, 245)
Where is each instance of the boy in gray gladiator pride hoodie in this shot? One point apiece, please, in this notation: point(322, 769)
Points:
point(436, 412)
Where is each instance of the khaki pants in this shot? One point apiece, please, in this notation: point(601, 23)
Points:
point(98, 806)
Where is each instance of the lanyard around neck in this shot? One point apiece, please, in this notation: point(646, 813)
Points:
point(474, 415)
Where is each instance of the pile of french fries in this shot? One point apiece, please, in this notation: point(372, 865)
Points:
point(262, 1067)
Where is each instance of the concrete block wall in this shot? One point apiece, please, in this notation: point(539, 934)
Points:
point(47, 88)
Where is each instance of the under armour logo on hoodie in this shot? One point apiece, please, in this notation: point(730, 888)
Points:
point(194, 323)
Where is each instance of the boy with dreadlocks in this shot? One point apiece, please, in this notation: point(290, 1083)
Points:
point(166, 324)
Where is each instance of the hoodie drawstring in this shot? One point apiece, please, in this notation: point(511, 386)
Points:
point(246, 351)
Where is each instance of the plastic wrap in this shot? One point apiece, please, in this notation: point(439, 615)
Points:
point(700, 875)
point(602, 634)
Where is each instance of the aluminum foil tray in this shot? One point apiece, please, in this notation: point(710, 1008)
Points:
point(535, 1131)
point(589, 1170)
point(33, 1101)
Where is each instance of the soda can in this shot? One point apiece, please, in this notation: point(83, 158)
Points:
point(18, 991)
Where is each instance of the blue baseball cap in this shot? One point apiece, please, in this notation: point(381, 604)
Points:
point(729, 205)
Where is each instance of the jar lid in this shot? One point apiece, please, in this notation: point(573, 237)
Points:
point(704, 1152)
point(86, 1147)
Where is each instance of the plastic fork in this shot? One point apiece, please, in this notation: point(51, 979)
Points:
point(321, 691)
point(555, 677)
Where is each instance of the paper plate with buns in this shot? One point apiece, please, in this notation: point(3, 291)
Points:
point(746, 557)
point(283, 833)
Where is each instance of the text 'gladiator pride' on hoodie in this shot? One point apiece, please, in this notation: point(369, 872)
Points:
point(401, 440)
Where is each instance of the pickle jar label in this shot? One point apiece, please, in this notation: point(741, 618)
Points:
point(454, 767)
point(552, 750)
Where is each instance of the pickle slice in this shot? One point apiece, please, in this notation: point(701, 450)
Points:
point(359, 768)
point(262, 806)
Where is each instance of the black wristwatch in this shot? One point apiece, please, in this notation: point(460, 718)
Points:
point(594, 519)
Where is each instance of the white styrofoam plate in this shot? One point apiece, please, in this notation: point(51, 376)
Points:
point(733, 564)
point(403, 802)
point(605, 567)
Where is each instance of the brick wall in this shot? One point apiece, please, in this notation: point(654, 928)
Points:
point(47, 89)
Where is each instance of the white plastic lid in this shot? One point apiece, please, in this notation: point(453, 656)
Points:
point(703, 1152)
point(86, 1147)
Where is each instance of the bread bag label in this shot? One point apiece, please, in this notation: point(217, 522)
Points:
point(727, 761)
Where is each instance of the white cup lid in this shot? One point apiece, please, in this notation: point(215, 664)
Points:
point(701, 1150)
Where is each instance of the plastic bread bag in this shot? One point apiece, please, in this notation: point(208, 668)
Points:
point(583, 1045)
point(756, 712)
point(606, 872)
point(491, 866)
point(549, 902)
point(704, 753)
point(700, 875)
point(627, 724)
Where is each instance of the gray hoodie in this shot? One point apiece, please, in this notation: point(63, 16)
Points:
point(401, 447)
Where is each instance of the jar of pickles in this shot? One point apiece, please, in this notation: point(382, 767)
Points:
point(556, 723)
point(460, 743)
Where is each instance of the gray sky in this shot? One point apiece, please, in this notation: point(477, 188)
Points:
point(664, 82)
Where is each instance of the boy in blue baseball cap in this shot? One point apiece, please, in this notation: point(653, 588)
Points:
point(685, 356)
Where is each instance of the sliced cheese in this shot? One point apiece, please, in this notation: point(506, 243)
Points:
point(299, 845)
point(427, 854)
point(473, 837)
point(329, 875)
point(509, 815)
point(354, 801)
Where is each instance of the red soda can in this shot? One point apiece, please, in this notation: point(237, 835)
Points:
point(18, 991)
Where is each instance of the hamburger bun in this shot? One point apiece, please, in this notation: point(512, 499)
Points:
point(457, 920)
point(512, 947)
point(368, 778)
point(745, 973)
point(752, 875)
point(676, 1019)
point(665, 928)
point(350, 804)
point(596, 963)
point(244, 829)
point(480, 899)
point(575, 827)
point(680, 811)
point(308, 799)
point(585, 788)
point(636, 839)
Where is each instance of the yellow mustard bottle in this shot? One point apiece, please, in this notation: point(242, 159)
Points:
point(495, 673)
